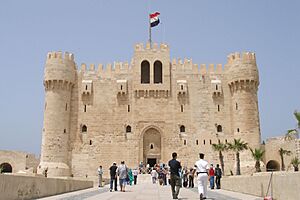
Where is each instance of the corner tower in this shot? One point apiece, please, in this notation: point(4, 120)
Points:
point(59, 79)
point(243, 81)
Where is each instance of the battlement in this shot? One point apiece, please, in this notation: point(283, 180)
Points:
point(188, 65)
point(58, 55)
point(117, 67)
point(162, 47)
point(242, 57)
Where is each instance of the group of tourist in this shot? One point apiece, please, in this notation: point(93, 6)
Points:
point(172, 174)
point(203, 173)
point(126, 176)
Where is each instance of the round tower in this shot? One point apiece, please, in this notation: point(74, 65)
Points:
point(243, 81)
point(59, 78)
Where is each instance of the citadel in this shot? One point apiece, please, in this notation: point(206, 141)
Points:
point(144, 110)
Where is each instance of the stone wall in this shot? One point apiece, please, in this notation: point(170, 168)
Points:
point(285, 185)
point(26, 187)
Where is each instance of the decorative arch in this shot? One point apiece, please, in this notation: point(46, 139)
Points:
point(157, 72)
point(6, 168)
point(145, 72)
point(273, 165)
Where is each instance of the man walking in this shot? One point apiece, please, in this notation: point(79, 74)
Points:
point(100, 173)
point(175, 180)
point(122, 172)
point(202, 171)
point(218, 174)
point(113, 176)
point(135, 173)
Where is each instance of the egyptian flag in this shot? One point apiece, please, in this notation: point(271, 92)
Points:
point(154, 20)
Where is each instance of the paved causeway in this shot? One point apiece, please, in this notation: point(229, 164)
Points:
point(145, 190)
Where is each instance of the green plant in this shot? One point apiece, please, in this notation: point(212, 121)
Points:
point(237, 146)
point(220, 148)
point(257, 154)
point(295, 162)
point(283, 152)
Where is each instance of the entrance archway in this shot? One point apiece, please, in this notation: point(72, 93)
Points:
point(273, 165)
point(5, 168)
point(151, 146)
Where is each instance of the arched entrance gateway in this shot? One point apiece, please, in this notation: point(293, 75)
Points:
point(273, 165)
point(5, 168)
point(151, 146)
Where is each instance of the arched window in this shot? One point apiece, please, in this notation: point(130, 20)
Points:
point(6, 168)
point(145, 72)
point(151, 146)
point(84, 129)
point(157, 72)
point(128, 129)
point(219, 128)
point(182, 129)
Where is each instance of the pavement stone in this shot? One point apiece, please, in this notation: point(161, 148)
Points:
point(145, 190)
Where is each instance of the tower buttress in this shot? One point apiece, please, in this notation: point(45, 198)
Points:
point(243, 81)
point(59, 79)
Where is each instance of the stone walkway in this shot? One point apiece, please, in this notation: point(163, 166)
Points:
point(145, 190)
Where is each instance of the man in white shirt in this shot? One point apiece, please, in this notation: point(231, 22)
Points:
point(202, 168)
point(100, 173)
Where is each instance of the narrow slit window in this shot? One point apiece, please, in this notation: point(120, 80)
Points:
point(84, 129)
point(238, 130)
point(66, 107)
point(226, 141)
point(65, 130)
point(181, 108)
point(151, 146)
point(91, 142)
point(216, 87)
point(197, 142)
point(236, 106)
point(181, 87)
point(86, 87)
point(84, 110)
point(209, 141)
point(184, 142)
point(121, 87)
point(204, 142)
point(218, 108)
point(128, 108)
point(219, 141)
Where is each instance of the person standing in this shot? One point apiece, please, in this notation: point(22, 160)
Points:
point(218, 174)
point(154, 175)
point(113, 176)
point(211, 176)
point(175, 180)
point(130, 177)
point(135, 173)
point(122, 172)
point(201, 167)
point(100, 173)
point(191, 178)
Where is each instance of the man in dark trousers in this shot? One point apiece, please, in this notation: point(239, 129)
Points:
point(175, 180)
point(218, 174)
point(113, 176)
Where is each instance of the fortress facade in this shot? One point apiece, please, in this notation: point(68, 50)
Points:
point(144, 110)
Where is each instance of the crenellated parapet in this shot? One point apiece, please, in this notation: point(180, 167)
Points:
point(242, 71)
point(60, 56)
point(154, 48)
point(245, 57)
point(187, 65)
point(107, 70)
point(58, 85)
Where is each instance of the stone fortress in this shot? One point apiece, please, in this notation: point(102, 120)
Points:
point(144, 110)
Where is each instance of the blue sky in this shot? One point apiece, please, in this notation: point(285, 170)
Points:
point(105, 31)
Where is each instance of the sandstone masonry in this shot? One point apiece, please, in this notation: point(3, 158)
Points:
point(145, 110)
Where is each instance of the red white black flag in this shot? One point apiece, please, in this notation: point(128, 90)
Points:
point(154, 20)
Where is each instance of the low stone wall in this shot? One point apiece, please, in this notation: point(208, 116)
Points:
point(29, 187)
point(285, 185)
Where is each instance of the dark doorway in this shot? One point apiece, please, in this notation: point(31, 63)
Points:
point(273, 165)
point(5, 168)
point(151, 161)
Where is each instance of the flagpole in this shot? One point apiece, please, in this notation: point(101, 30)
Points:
point(150, 41)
